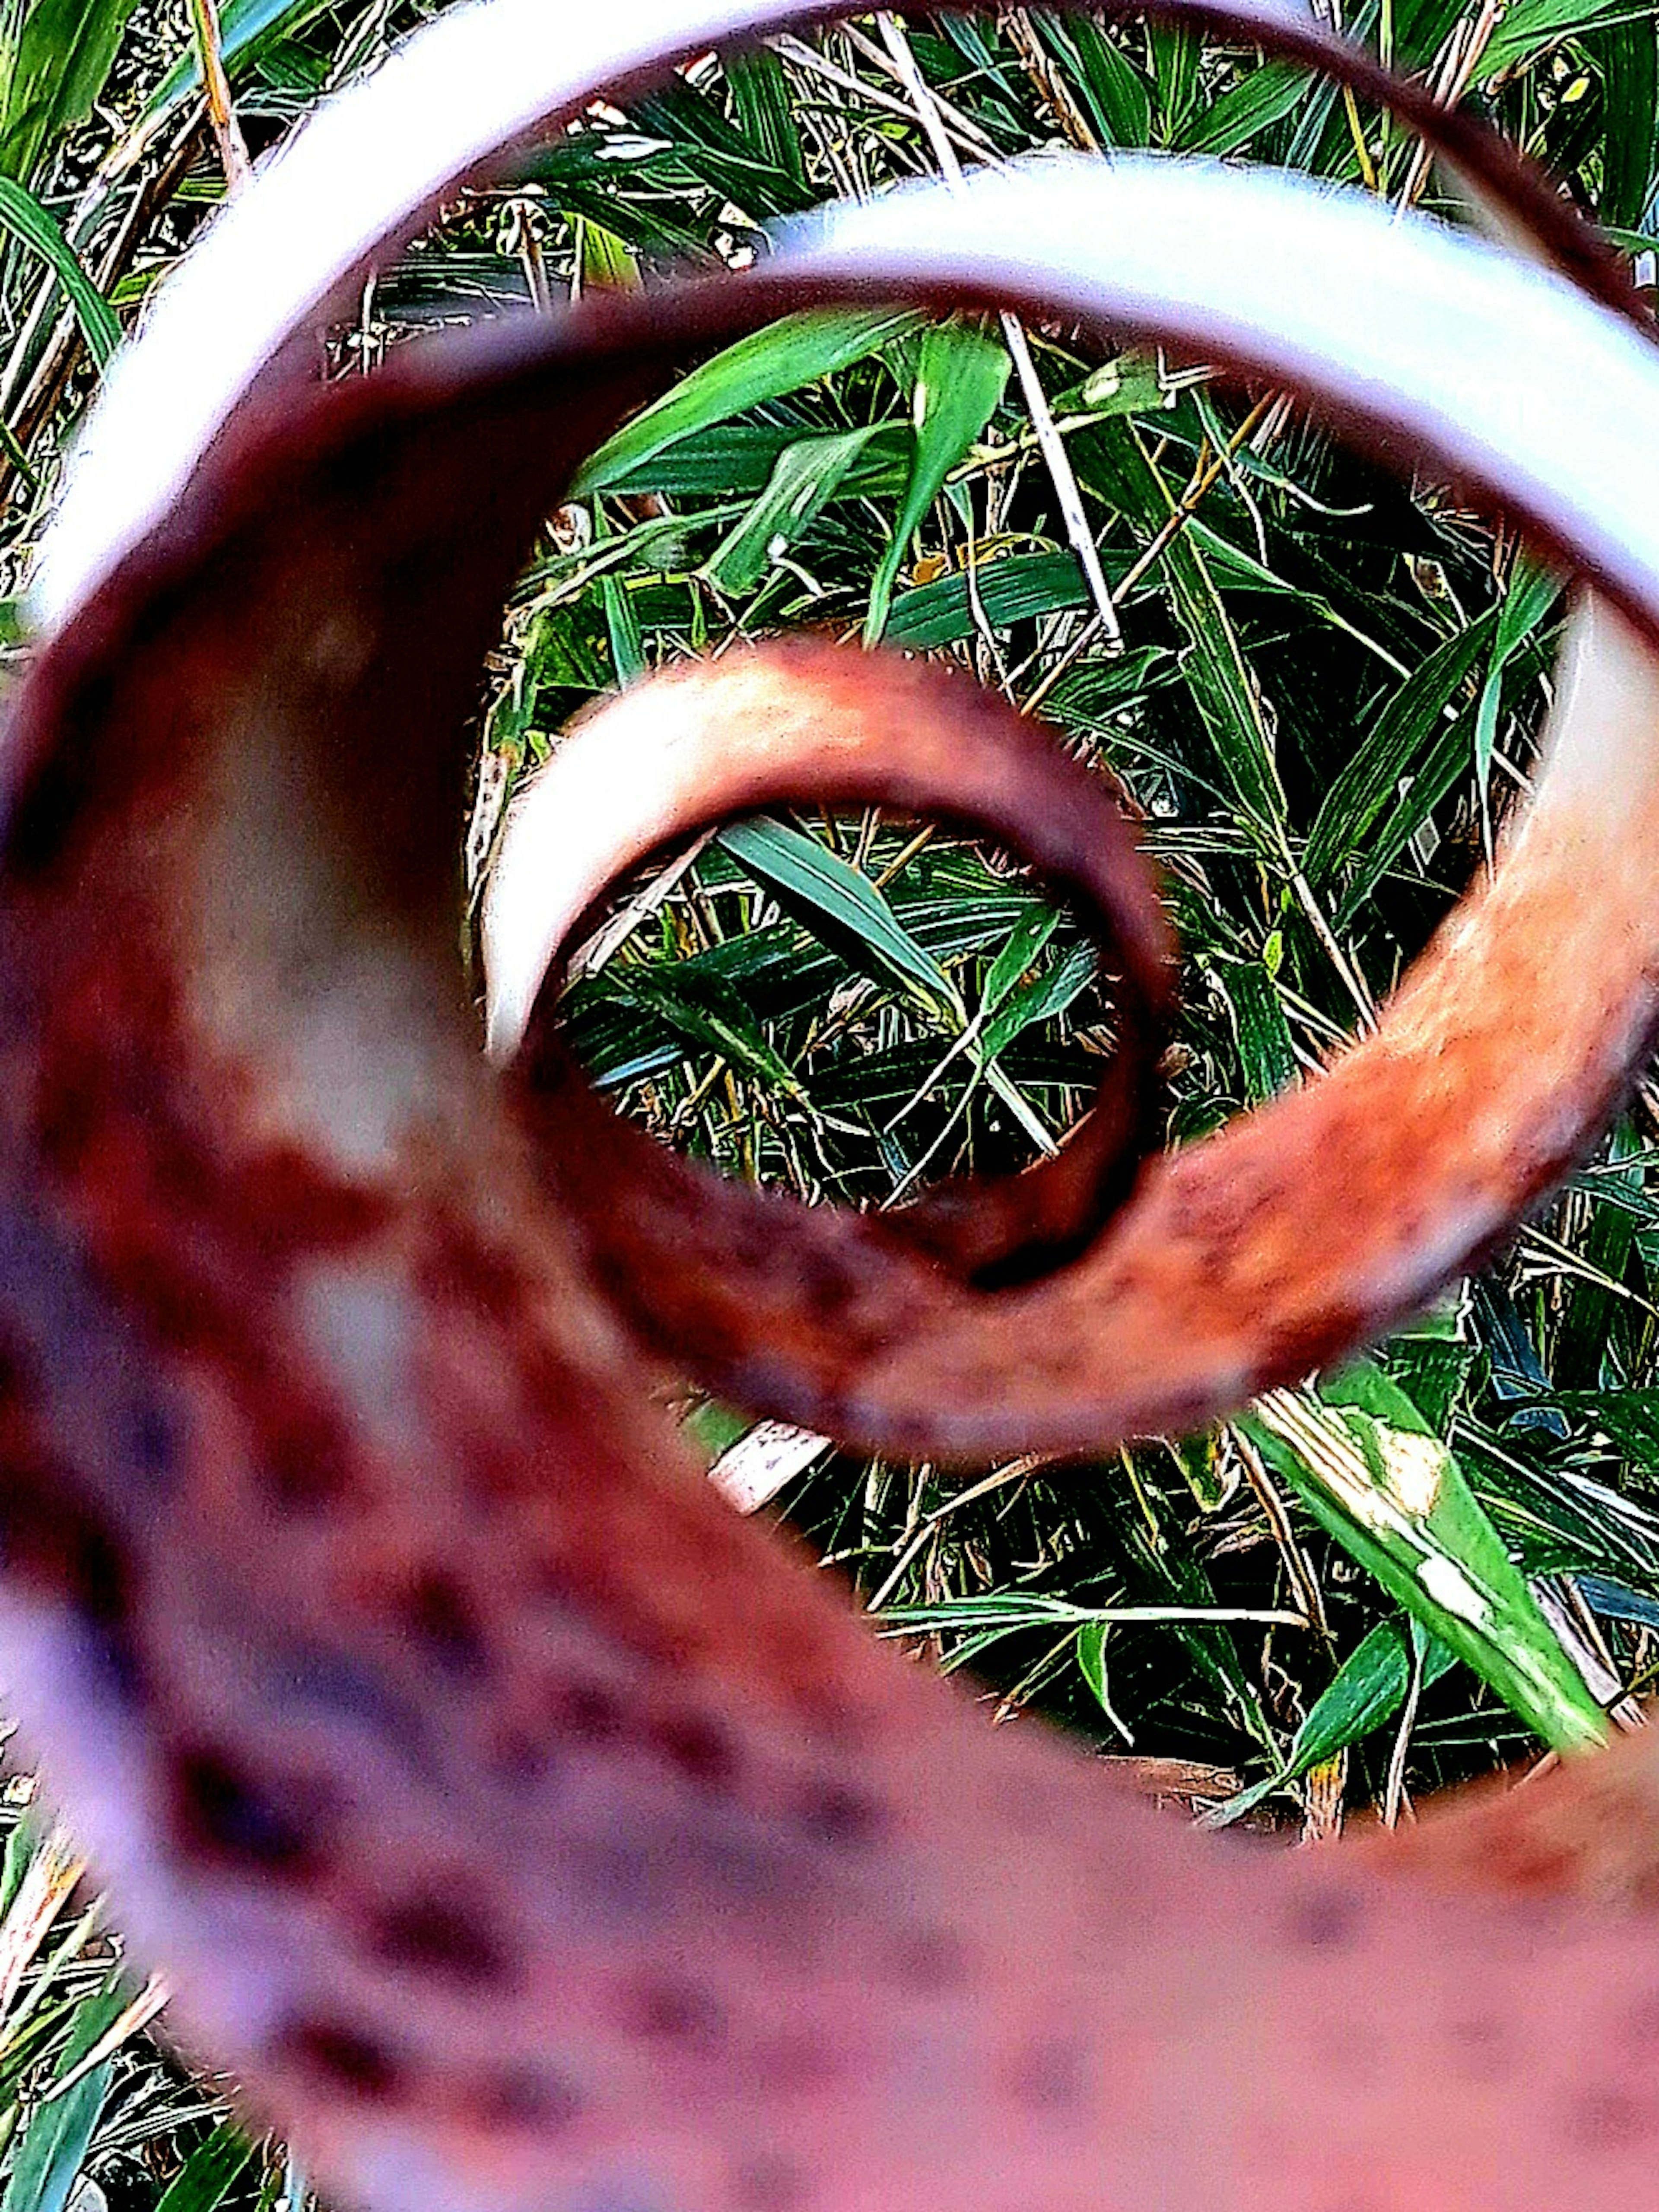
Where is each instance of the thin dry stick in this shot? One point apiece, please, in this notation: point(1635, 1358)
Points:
point(963, 126)
point(1051, 88)
point(1016, 1470)
point(808, 58)
point(222, 112)
point(1180, 515)
point(1298, 1566)
point(1459, 60)
point(1078, 532)
point(1394, 1796)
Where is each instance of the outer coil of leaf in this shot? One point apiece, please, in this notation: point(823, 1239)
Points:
point(376, 162)
point(527, 1832)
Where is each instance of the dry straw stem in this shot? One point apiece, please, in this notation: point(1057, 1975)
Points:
point(1079, 535)
point(222, 111)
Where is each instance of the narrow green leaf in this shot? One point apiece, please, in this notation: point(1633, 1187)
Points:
point(1223, 687)
point(1628, 52)
point(65, 56)
point(766, 111)
point(1128, 384)
point(706, 1011)
point(834, 890)
point(1394, 1497)
point(1531, 27)
point(607, 263)
point(961, 376)
point(806, 477)
point(645, 226)
point(1234, 570)
point(1441, 767)
point(1252, 106)
point(1266, 1052)
point(1112, 459)
point(1369, 1688)
point(1533, 588)
point(1115, 94)
point(1392, 749)
point(732, 460)
point(1092, 1660)
point(210, 2173)
point(1200, 1461)
point(1039, 998)
point(1590, 1333)
point(798, 350)
point(21, 1843)
point(1174, 50)
point(741, 169)
point(22, 215)
point(622, 623)
point(1015, 589)
point(47, 2161)
point(1366, 1691)
point(1025, 941)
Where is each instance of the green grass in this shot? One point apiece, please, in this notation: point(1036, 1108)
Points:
point(1325, 701)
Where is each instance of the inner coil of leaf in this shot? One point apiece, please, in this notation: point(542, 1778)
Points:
point(698, 1260)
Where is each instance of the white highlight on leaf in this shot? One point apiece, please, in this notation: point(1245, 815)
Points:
point(1448, 1586)
point(1415, 1466)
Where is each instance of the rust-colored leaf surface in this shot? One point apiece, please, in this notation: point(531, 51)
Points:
point(528, 1832)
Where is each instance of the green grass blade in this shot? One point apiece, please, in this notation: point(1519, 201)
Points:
point(22, 215)
point(1018, 589)
point(735, 459)
point(739, 166)
point(961, 376)
point(708, 1012)
point(1266, 1052)
point(47, 2161)
point(1365, 1465)
point(1039, 998)
point(812, 877)
point(1391, 751)
point(1533, 588)
point(1366, 1691)
point(799, 350)
point(1531, 27)
point(1628, 52)
point(806, 477)
point(1224, 686)
point(766, 111)
point(1265, 97)
point(1113, 91)
point(65, 56)
point(1025, 941)
point(210, 2173)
